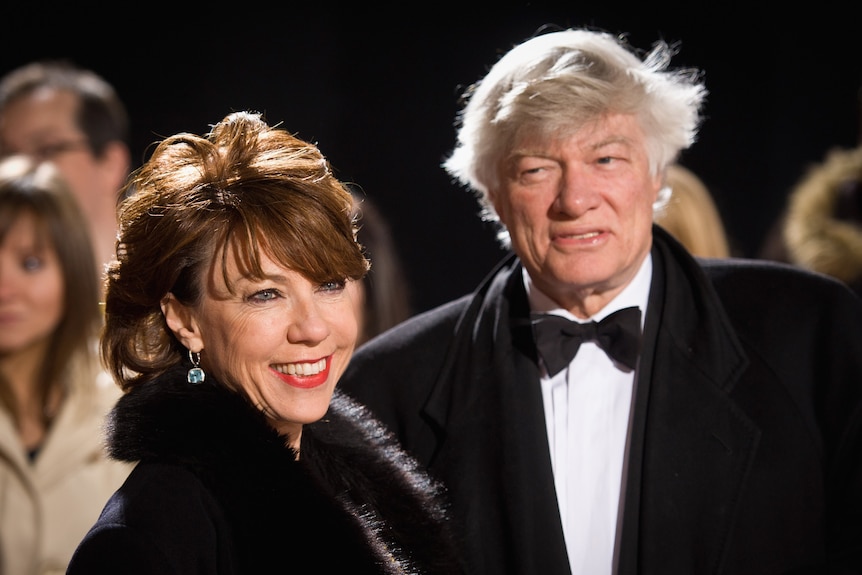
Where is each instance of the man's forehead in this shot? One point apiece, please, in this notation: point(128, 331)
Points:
point(41, 99)
point(38, 115)
point(585, 139)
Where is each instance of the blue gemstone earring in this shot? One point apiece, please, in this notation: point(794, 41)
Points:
point(196, 374)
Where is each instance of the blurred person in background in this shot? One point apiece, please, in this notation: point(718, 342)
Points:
point(384, 293)
point(828, 194)
point(822, 224)
point(691, 215)
point(55, 475)
point(55, 110)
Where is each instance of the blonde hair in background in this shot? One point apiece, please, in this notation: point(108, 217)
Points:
point(815, 233)
point(692, 216)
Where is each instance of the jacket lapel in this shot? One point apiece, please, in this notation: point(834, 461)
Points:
point(495, 417)
point(688, 438)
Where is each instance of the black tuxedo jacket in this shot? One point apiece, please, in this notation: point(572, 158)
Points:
point(746, 445)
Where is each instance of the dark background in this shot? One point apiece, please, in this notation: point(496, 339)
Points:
point(378, 91)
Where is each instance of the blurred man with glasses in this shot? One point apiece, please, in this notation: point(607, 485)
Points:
point(57, 111)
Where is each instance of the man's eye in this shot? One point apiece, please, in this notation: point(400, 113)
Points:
point(51, 151)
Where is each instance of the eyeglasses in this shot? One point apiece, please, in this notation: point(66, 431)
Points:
point(51, 151)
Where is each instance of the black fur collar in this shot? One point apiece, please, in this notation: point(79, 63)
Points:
point(349, 463)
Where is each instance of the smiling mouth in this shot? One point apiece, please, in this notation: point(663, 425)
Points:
point(585, 236)
point(301, 369)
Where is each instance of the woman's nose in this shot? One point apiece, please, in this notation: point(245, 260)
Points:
point(307, 324)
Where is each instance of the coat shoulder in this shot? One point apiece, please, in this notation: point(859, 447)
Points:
point(777, 283)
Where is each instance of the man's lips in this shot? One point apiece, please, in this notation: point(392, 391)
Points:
point(584, 237)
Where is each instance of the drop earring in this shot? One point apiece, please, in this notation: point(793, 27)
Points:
point(196, 374)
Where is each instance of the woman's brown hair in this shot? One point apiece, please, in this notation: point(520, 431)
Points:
point(245, 185)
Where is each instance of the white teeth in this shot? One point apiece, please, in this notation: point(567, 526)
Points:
point(302, 368)
point(584, 236)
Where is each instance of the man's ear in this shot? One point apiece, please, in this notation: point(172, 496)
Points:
point(659, 182)
point(181, 321)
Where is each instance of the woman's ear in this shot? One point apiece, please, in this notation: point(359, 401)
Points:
point(181, 321)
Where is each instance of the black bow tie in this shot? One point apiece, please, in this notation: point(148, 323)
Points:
point(558, 338)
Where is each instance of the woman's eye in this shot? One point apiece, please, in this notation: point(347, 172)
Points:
point(32, 263)
point(265, 295)
point(333, 286)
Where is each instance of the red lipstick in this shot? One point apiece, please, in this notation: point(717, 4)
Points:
point(306, 381)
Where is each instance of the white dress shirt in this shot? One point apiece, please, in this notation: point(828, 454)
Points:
point(587, 412)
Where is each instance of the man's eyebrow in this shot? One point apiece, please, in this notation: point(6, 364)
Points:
point(525, 152)
point(610, 140)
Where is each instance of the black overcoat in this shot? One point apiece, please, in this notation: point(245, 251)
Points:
point(217, 491)
point(746, 445)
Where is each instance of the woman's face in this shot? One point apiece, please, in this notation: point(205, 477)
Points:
point(31, 289)
point(283, 341)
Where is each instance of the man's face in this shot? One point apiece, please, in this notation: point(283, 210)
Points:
point(579, 210)
point(42, 124)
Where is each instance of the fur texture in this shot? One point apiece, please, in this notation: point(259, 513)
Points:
point(816, 238)
point(355, 496)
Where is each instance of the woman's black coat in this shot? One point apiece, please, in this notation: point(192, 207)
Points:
point(216, 491)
